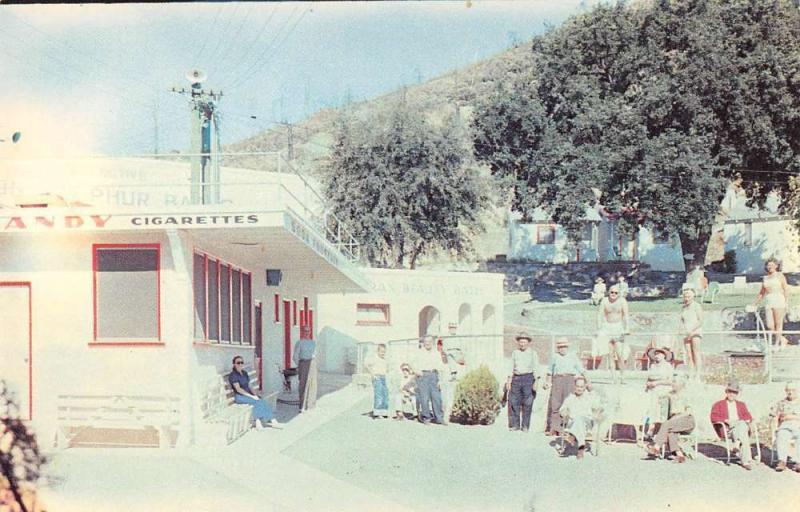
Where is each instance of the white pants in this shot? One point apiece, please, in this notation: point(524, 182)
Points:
point(783, 436)
point(578, 426)
point(739, 432)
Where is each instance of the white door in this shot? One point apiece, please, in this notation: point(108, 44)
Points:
point(15, 343)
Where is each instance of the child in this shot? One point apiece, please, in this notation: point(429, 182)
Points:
point(407, 393)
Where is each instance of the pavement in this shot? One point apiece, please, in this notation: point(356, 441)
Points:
point(337, 458)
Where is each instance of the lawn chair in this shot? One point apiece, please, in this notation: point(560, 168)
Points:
point(727, 441)
point(773, 452)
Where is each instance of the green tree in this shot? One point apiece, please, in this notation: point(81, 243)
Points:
point(659, 106)
point(404, 186)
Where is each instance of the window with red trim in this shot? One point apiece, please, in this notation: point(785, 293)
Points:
point(223, 301)
point(127, 292)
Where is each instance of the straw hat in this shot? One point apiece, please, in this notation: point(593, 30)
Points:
point(523, 336)
point(562, 342)
point(733, 386)
point(651, 353)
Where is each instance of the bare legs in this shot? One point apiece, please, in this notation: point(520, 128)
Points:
point(693, 357)
point(615, 352)
point(774, 318)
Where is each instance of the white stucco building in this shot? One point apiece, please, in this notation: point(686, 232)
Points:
point(114, 284)
point(543, 241)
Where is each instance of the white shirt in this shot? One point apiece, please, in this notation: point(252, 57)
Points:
point(577, 406)
point(733, 412)
point(523, 362)
point(428, 360)
point(377, 365)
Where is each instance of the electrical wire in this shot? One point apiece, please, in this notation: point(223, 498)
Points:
point(259, 64)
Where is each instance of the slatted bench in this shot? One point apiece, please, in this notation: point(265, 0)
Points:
point(77, 413)
point(219, 408)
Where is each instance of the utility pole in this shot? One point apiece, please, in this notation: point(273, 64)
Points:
point(290, 141)
point(204, 127)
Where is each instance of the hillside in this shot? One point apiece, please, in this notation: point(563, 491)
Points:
point(313, 136)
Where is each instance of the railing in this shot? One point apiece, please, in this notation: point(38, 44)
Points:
point(164, 181)
point(477, 349)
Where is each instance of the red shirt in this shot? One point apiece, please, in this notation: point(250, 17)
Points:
point(719, 414)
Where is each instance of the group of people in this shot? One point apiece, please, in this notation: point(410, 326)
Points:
point(613, 316)
point(573, 410)
point(426, 386)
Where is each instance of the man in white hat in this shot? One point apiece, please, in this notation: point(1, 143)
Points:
point(736, 417)
point(561, 373)
point(521, 379)
point(612, 325)
point(787, 411)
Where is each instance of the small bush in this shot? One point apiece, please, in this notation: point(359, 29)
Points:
point(477, 399)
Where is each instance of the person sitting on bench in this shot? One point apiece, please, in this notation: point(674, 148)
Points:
point(240, 382)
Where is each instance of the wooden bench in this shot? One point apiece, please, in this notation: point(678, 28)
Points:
point(77, 413)
point(218, 406)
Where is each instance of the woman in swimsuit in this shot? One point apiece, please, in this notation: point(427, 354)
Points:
point(775, 294)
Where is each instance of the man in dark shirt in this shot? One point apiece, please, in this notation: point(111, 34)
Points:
point(240, 382)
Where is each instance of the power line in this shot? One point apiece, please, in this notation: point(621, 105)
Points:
point(205, 39)
point(268, 47)
point(244, 54)
point(254, 68)
point(222, 34)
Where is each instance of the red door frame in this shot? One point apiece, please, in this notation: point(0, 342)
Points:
point(287, 334)
point(27, 284)
point(259, 343)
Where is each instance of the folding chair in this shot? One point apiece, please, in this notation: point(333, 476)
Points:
point(728, 440)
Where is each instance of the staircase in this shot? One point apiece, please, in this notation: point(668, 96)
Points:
point(786, 364)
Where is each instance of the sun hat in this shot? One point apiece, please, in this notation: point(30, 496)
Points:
point(651, 353)
point(562, 342)
point(523, 336)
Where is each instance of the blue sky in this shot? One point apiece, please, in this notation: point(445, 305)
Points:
point(96, 78)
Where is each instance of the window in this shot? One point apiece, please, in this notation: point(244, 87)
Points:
point(294, 312)
point(127, 292)
point(223, 301)
point(373, 314)
point(277, 308)
point(748, 234)
point(661, 236)
point(545, 235)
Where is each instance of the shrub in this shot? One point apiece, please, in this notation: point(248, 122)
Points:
point(477, 399)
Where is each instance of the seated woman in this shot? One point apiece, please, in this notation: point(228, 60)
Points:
point(679, 421)
point(658, 385)
point(240, 383)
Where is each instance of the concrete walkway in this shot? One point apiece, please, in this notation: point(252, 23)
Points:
point(336, 458)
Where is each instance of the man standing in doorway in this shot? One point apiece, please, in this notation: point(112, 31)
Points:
point(303, 357)
point(428, 367)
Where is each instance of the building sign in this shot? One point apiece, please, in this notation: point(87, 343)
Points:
point(103, 222)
